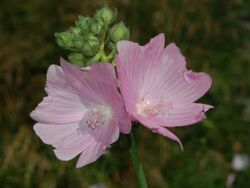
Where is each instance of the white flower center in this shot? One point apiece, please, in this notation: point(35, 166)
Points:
point(143, 107)
point(98, 116)
point(146, 108)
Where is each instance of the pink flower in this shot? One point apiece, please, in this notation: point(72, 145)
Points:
point(157, 89)
point(83, 112)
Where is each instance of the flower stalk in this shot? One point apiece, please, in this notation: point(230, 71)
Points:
point(136, 162)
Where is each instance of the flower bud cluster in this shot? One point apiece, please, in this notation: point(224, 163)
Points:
point(88, 38)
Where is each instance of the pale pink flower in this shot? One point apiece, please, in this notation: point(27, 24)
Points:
point(157, 89)
point(83, 112)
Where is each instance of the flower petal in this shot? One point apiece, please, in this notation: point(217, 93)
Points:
point(92, 84)
point(174, 83)
point(91, 144)
point(125, 125)
point(165, 132)
point(102, 139)
point(73, 145)
point(155, 127)
point(54, 134)
point(136, 66)
point(183, 115)
point(90, 155)
point(63, 104)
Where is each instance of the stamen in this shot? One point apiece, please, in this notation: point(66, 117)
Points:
point(96, 117)
point(146, 108)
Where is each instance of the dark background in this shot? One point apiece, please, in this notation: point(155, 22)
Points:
point(214, 37)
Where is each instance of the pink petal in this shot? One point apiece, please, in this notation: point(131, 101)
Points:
point(73, 145)
point(90, 155)
point(120, 114)
point(62, 105)
point(154, 126)
point(107, 134)
point(92, 84)
point(54, 134)
point(103, 138)
point(56, 80)
point(104, 72)
point(136, 65)
point(92, 144)
point(183, 115)
point(165, 132)
point(125, 125)
point(176, 84)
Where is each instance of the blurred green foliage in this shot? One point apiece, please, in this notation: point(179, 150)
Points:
point(214, 37)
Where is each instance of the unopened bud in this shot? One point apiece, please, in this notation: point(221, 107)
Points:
point(82, 22)
point(119, 32)
point(75, 31)
point(77, 58)
point(106, 14)
point(78, 43)
point(64, 39)
point(96, 26)
point(90, 45)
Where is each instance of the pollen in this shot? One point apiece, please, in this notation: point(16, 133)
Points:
point(147, 108)
point(143, 107)
point(98, 116)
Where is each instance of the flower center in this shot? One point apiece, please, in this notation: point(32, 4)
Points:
point(98, 116)
point(146, 108)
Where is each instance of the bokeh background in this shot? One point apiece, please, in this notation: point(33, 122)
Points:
point(214, 37)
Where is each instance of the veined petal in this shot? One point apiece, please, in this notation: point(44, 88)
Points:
point(174, 83)
point(90, 154)
point(155, 126)
point(73, 145)
point(183, 115)
point(54, 134)
point(102, 139)
point(136, 66)
point(93, 84)
point(165, 132)
point(91, 145)
point(63, 104)
point(56, 80)
point(125, 124)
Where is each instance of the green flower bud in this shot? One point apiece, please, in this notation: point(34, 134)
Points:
point(91, 45)
point(64, 39)
point(82, 22)
point(77, 58)
point(78, 43)
point(75, 31)
point(119, 32)
point(106, 15)
point(96, 26)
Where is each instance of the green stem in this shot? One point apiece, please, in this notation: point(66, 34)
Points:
point(102, 55)
point(136, 162)
point(112, 54)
